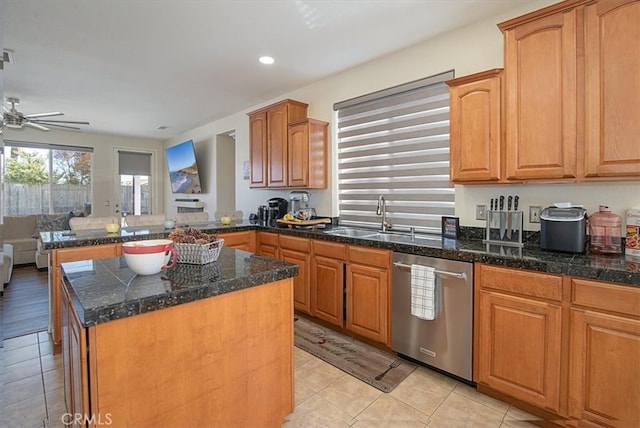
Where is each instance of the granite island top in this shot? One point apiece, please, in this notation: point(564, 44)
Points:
point(619, 268)
point(106, 289)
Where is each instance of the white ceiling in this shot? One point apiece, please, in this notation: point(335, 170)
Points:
point(128, 66)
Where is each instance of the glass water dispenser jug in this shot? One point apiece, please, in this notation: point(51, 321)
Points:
point(605, 232)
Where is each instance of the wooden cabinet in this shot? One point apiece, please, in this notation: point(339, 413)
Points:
point(268, 142)
point(541, 93)
point(63, 255)
point(367, 287)
point(298, 251)
point(74, 352)
point(612, 85)
point(476, 127)
point(604, 365)
point(221, 361)
point(258, 149)
point(267, 244)
point(245, 241)
point(519, 334)
point(327, 281)
point(307, 154)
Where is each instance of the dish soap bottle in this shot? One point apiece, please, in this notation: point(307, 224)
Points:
point(605, 232)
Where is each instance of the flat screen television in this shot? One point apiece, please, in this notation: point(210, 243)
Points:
point(183, 168)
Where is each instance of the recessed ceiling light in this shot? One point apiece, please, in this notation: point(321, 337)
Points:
point(266, 60)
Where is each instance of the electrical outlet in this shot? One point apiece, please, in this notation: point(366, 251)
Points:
point(534, 214)
point(481, 212)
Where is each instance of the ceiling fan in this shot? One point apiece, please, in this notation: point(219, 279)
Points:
point(15, 119)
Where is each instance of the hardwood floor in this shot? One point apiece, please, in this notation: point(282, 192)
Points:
point(25, 304)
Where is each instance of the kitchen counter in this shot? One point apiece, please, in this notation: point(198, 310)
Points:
point(196, 345)
point(106, 289)
point(621, 269)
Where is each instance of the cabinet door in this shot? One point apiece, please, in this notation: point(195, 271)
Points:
point(612, 69)
point(74, 357)
point(258, 149)
point(245, 241)
point(278, 130)
point(327, 289)
point(267, 244)
point(604, 369)
point(301, 283)
point(298, 153)
point(520, 348)
point(475, 136)
point(541, 97)
point(368, 302)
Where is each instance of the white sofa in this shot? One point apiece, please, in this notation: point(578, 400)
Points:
point(23, 233)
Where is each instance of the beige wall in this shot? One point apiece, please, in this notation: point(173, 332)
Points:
point(104, 184)
point(474, 48)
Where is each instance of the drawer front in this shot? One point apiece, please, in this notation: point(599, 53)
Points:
point(606, 296)
point(106, 251)
point(370, 256)
point(265, 238)
point(295, 244)
point(236, 238)
point(522, 282)
point(330, 249)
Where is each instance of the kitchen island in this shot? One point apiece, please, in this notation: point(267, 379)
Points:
point(196, 345)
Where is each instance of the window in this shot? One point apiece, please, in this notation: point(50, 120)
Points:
point(46, 178)
point(395, 143)
point(134, 169)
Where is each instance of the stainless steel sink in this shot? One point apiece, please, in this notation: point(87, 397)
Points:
point(350, 231)
point(403, 238)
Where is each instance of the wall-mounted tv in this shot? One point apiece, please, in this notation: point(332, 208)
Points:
point(183, 168)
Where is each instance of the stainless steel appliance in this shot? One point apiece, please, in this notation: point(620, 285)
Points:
point(446, 342)
point(563, 229)
point(298, 200)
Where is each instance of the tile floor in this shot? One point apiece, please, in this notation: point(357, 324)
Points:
point(32, 395)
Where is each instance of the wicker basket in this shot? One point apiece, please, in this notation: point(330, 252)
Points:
point(199, 254)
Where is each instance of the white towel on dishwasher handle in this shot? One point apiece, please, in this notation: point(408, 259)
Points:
point(423, 284)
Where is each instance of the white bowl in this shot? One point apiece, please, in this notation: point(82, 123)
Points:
point(151, 256)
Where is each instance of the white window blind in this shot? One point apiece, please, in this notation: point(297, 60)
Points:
point(395, 143)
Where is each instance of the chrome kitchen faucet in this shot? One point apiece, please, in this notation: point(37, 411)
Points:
point(382, 210)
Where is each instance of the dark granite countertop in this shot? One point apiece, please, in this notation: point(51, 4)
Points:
point(106, 289)
point(621, 269)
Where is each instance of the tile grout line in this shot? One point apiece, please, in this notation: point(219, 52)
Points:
point(44, 391)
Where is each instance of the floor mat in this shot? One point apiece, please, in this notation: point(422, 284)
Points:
point(379, 369)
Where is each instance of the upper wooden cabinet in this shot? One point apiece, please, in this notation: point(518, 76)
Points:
point(569, 102)
point(476, 127)
point(612, 88)
point(541, 93)
point(268, 135)
point(286, 148)
point(307, 154)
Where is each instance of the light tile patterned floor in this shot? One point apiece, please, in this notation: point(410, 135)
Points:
point(32, 395)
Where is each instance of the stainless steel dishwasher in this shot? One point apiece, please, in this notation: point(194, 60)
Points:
point(446, 342)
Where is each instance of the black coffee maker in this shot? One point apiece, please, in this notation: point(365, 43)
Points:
point(277, 209)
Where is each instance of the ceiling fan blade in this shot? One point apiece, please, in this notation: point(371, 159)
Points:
point(53, 125)
point(36, 125)
point(53, 113)
point(46, 121)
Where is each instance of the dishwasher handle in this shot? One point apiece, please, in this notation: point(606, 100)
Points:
point(460, 275)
